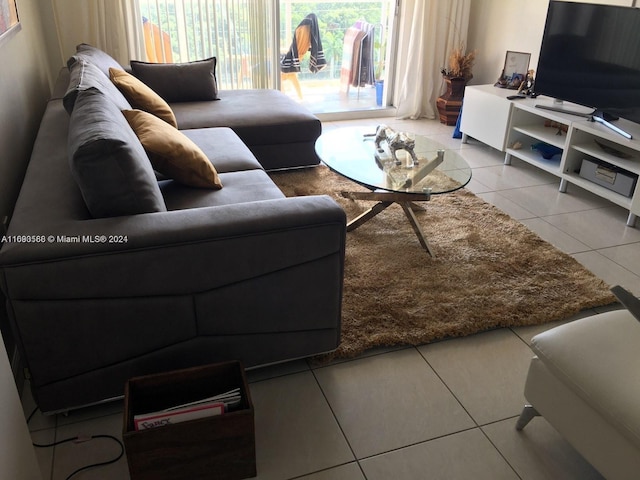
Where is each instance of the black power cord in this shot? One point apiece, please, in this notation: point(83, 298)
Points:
point(80, 439)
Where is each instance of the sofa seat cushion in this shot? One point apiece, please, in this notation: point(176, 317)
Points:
point(239, 187)
point(108, 161)
point(224, 148)
point(259, 117)
point(597, 358)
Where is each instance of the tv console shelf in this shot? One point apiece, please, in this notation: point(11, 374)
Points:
point(513, 126)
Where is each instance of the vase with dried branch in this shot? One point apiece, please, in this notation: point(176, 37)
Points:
point(460, 63)
point(456, 76)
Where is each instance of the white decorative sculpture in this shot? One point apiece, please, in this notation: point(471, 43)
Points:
point(395, 141)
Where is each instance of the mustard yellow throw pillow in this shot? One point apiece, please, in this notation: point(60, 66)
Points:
point(171, 152)
point(142, 97)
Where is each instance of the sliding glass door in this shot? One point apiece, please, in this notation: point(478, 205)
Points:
point(250, 38)
point(356, 38)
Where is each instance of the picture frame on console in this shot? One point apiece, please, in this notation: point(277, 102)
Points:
point(514, 71)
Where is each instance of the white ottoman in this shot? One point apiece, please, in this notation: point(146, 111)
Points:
point(585, 380)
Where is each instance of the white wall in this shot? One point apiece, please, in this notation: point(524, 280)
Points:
point(24, 89)
point(25, 84)
point(496, 26)
point(500, 25)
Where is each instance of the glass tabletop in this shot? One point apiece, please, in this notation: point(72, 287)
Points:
point(351, 152)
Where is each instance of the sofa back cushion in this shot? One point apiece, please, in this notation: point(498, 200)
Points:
point(94, 55)
point(107, 160)
point(84, 75)
point(180, 82)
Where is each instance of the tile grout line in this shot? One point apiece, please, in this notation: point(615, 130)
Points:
point(335, 417)
point(506, 460)
point(478, 426)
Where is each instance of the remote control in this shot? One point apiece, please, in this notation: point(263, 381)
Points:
point(515, 97)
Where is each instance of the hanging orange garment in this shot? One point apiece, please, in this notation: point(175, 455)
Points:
point(157, 43)
point(303, 39)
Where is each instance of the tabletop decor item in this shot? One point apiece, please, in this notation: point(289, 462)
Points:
point(395, 141)
point(547, 151)
point(515, 71)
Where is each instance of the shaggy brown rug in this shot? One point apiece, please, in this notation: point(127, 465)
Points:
point(490, 270)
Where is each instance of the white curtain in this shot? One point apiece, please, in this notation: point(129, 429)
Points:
point(241, 34)
point(114, 26)
point(429, 31)
point(263, 22)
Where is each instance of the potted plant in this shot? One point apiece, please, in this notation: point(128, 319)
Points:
point(460, 64)
point(456, 76)
point(460, 70)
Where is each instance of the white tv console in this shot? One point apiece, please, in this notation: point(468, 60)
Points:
point(491, 118)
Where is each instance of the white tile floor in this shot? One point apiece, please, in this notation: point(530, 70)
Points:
point(441, 411)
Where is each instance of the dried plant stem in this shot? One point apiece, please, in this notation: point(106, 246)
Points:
point(461, 63)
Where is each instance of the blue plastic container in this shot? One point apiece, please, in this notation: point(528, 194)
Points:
point(379, 89)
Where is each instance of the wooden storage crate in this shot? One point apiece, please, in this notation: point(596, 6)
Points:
point(218, 447)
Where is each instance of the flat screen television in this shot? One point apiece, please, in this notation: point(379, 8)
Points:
point(590, 55)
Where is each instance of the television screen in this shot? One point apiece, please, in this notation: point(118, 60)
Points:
point(590, 55)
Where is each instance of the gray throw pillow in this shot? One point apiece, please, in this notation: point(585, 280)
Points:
point(108, 161)
point(84, 75)
point(94, 55)
point(180, 82)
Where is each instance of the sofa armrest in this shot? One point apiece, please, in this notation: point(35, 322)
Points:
point(176, 249)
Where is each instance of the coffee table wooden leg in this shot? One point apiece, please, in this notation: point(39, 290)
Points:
point(407, 207)
point(368, 215)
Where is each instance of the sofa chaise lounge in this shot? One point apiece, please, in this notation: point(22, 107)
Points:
point(584, 380)
point(97, 294)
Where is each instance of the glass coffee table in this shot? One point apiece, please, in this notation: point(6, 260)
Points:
point(351, 152)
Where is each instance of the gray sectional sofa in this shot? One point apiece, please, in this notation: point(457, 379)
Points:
point(101, 287)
